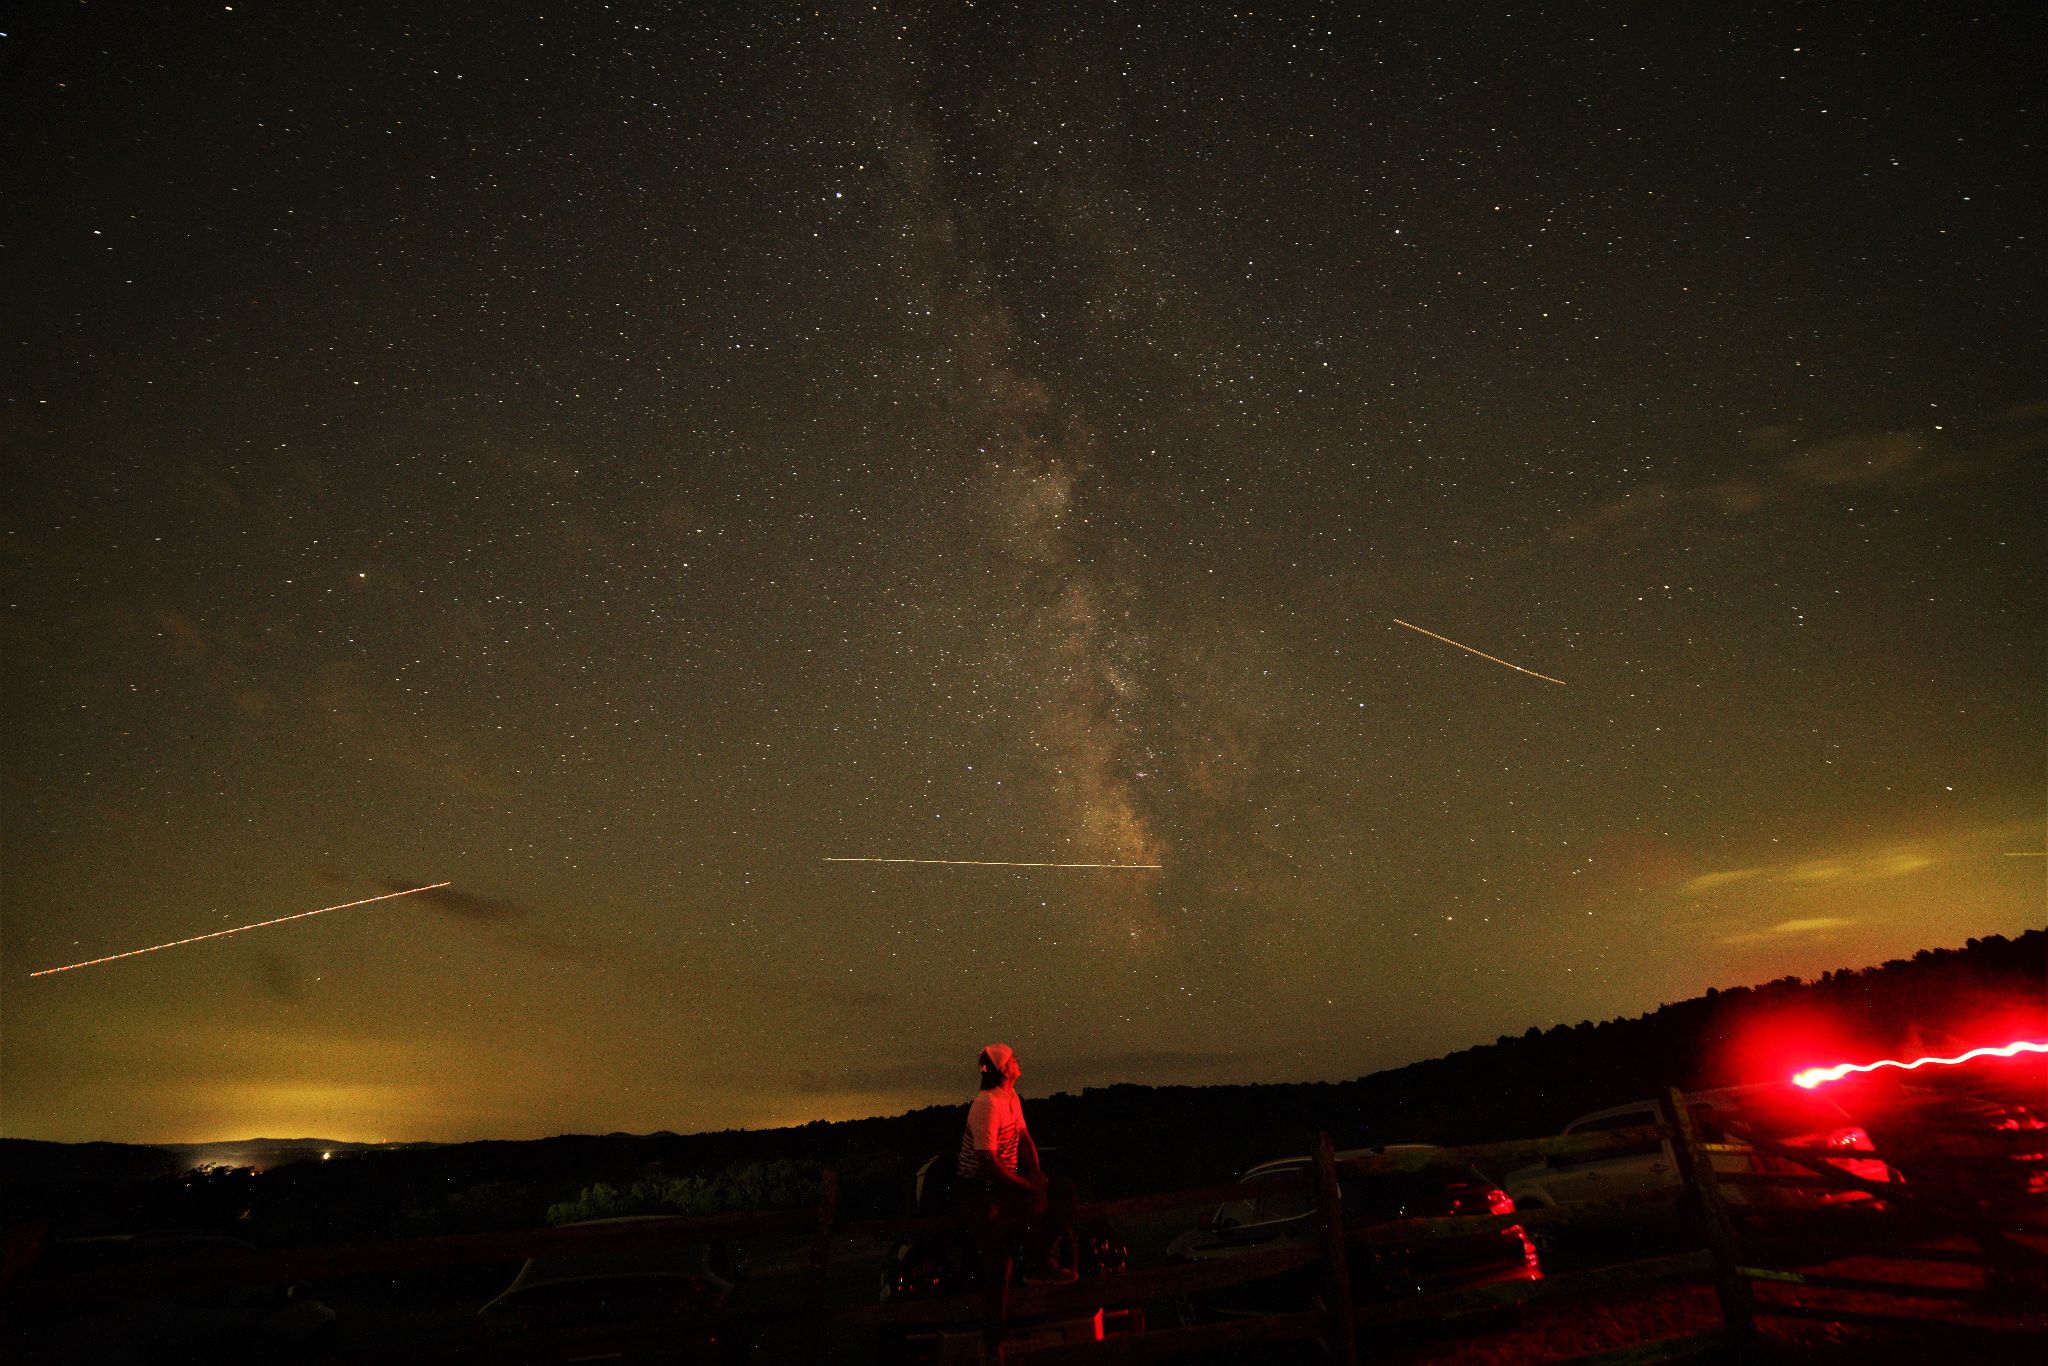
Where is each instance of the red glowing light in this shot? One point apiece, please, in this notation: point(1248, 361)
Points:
point(1814, 1076)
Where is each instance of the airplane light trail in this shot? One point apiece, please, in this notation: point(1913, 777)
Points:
point(1481, 653)
point(1814, 1076)
point(991, 863)
point(217, 934)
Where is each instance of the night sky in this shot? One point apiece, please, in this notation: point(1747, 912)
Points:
point(615, 458)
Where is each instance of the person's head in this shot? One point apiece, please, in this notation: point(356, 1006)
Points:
point(998, 1065)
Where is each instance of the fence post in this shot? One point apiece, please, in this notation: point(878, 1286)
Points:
point(1731, 1287)
point(1336, 1274)
point(821, 1263)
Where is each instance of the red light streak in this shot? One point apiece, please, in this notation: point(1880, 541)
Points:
point(1814, 1076)
point(217, 934)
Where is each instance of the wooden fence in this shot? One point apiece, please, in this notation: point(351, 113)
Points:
point(1777, 1248)
point(1747, 1249)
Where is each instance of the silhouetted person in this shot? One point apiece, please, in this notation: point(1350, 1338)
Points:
point(999, 1184)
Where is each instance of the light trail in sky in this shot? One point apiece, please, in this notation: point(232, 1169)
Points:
point(218, 934)
point(992, 863)
point(1814, 1076)
point(1481, 653)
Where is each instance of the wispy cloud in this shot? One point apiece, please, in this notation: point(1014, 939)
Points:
point(1707, 882)
point(1786, 468)
point(461, 905)
point(1809, 925)
point(924, 1078)
point(851, 997)
point(509, 921)
point(1898, 861)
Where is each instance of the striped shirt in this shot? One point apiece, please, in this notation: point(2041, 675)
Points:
point(995, 1123)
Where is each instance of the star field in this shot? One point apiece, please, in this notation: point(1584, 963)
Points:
point(616, 458)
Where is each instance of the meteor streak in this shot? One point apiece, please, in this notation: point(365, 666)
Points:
point(217, 934)
point(1481, 653)
point(991, 863)
point(1814, 1076)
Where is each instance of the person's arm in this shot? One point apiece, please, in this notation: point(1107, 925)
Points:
point(1027, 1161)
point(991, 1170)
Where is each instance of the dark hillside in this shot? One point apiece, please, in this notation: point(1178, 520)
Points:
point(1123, 1139)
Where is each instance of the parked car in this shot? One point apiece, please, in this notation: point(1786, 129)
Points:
point(648, 1301)
point(1983, 1149)
point(235, 1323)
point(1596, 1192)
point(1283, 1212)
point(945, 1263)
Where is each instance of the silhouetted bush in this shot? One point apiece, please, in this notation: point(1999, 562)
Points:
point(747, 1186)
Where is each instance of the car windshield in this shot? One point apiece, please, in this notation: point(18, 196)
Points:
point(1285, 1193)
point(1407, 1195)
point(1784, 1114)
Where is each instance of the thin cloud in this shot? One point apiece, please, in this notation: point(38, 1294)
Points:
point(1862, 458)
point(1808, 925)
point(510, 920)
point(462, 905)
point(1707, 882)
point(925, 1078)
point(278, 977)
point(1878, 459)
point(1861, 867)
point(850, 997)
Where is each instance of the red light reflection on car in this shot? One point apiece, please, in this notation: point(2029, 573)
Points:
point(1814, 1076)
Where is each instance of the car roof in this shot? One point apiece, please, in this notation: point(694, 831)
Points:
point(1611, 1111)
point(1709, 1097)
point(1342, 1155)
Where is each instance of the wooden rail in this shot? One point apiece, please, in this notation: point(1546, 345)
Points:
point(1998, 1252)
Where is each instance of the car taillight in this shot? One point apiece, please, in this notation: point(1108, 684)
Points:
point(1499, 1202)
point(919, 1278)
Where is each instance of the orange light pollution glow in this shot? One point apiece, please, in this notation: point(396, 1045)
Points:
point(1814, 1076)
